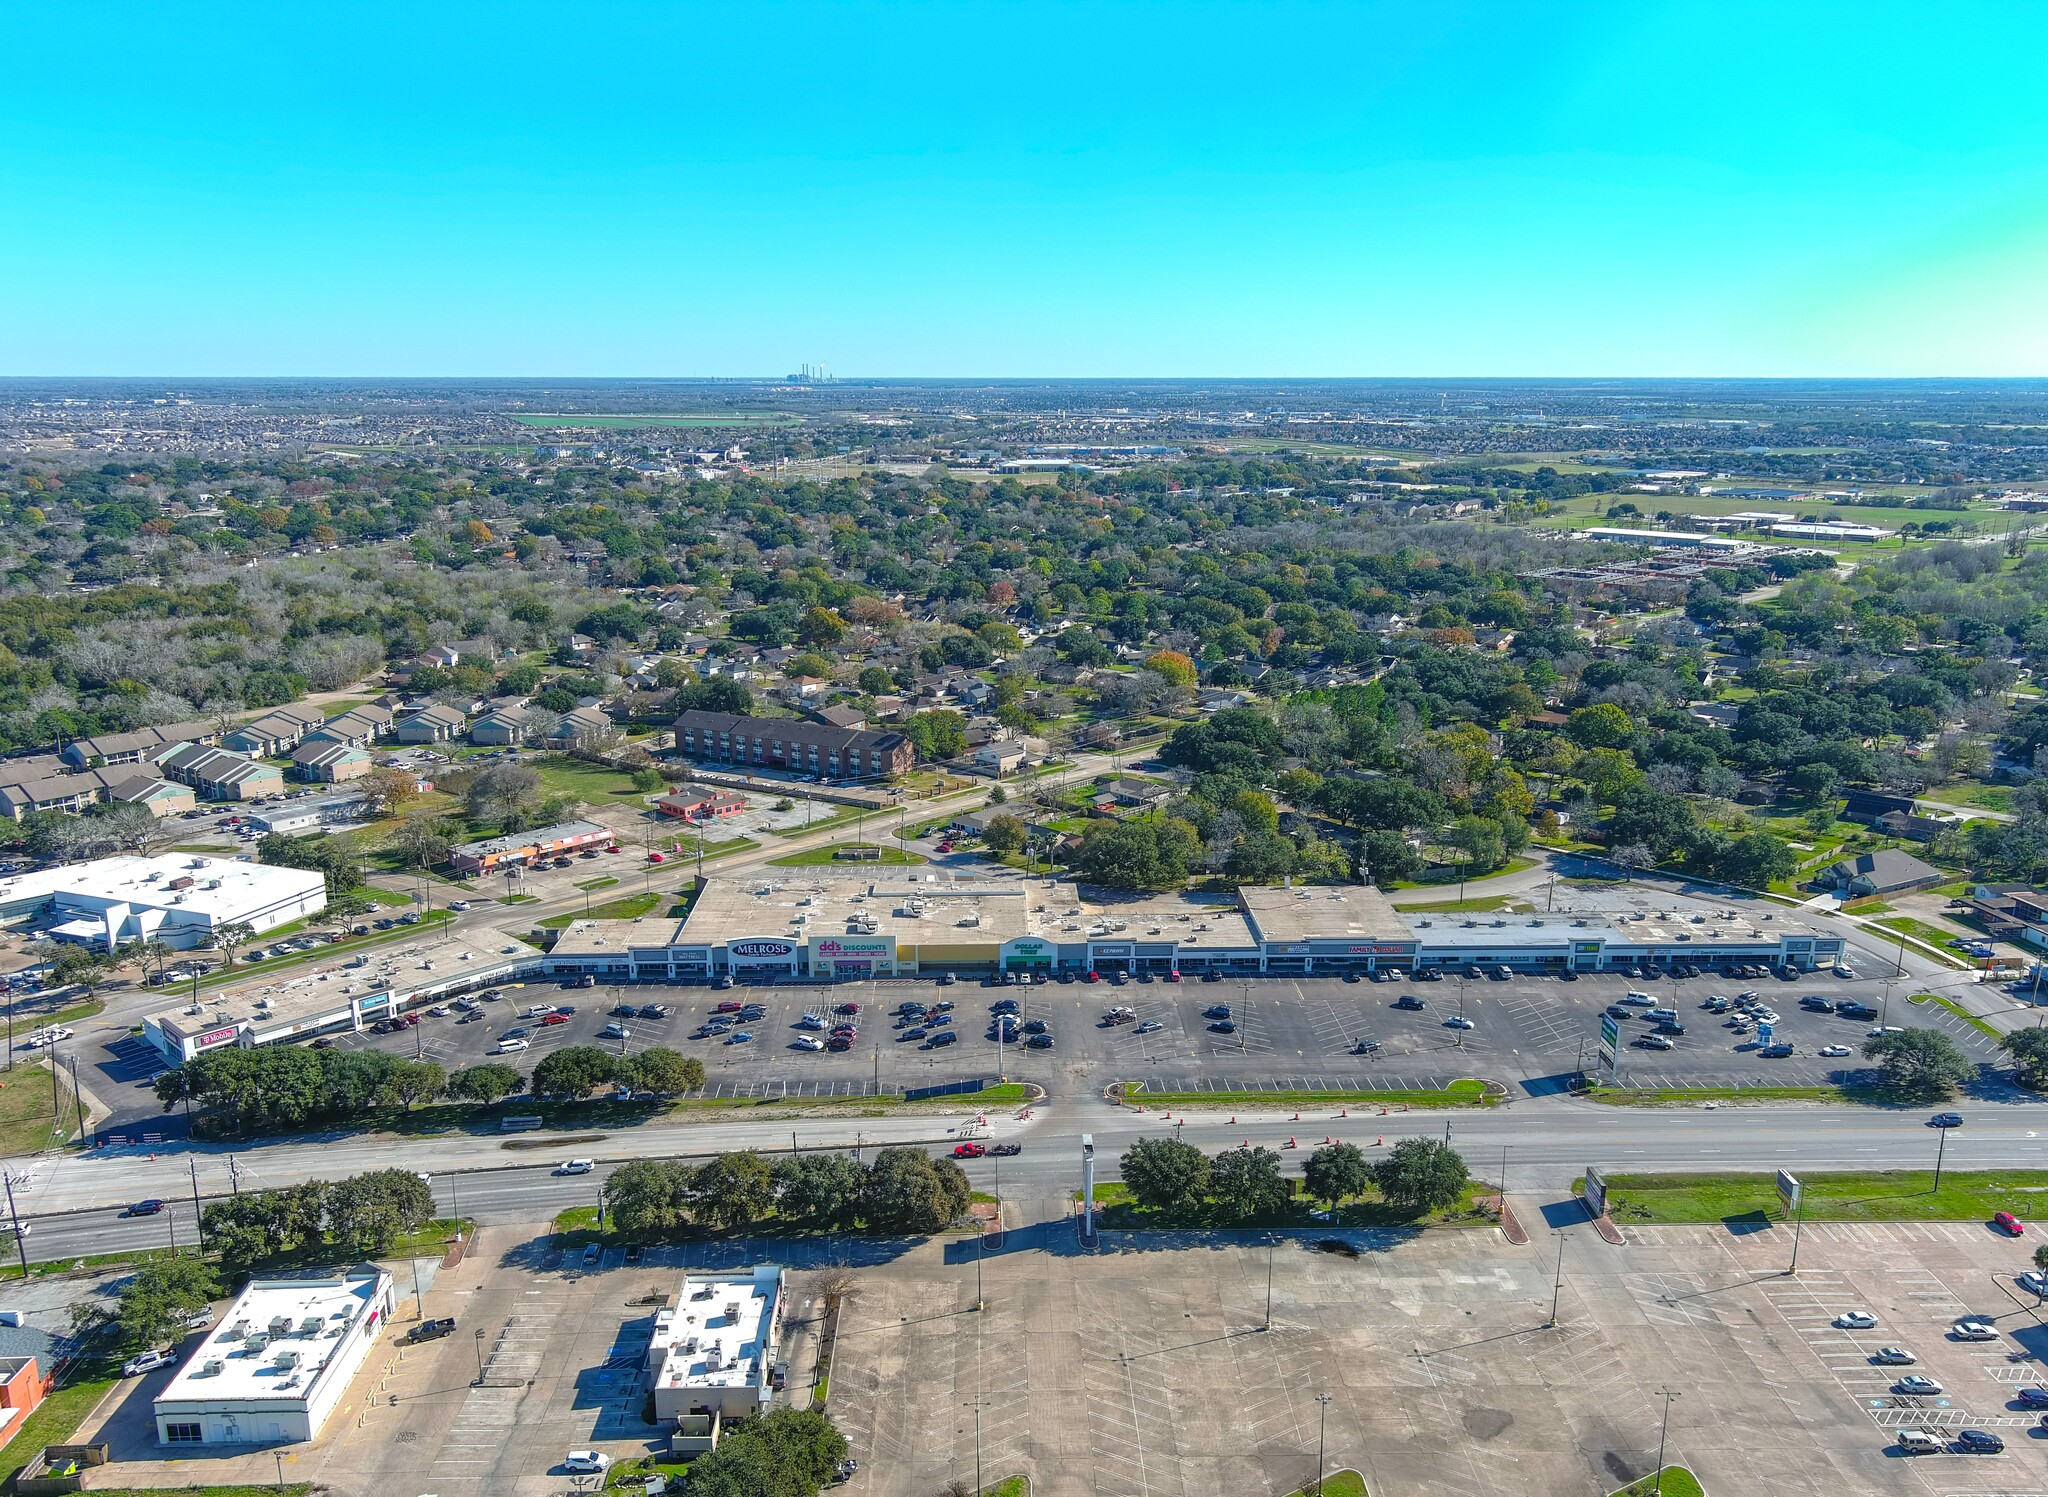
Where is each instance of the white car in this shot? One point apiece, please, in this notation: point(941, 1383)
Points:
point(507, 1047)
point(149, 1361)
point(586, 1460)
point(1971, 1329)
point(616, 1032)
point(809, 1042)
point(2035, 1282)
point(1458, 1021)
point(575, 1167)
point(1844, 971)
point(1855, 1320)
point(1893, 1356)
point(1834, 1051)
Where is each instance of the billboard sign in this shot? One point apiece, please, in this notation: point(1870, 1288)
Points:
point(1788, 1192)
point(1596, 1192)
point(1610, 1043)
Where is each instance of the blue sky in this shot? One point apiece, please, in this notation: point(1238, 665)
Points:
point(1431, 188)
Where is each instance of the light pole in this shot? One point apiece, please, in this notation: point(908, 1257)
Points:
point(1557, 1285)
point(280, 1468)
point(479, 1358)
point(1940, 1153)
point(975, 1404)
point(1270, 1244)
point(1322, 1420)
point(1663, 1429)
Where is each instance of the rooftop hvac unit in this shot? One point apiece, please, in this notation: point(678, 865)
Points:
point(280, 1325)
point(213, 1367)
point(238, 1330)
point(258, 1340)
point(310, 1325)
point(1423, 923)
point(287, 1358)
point(1498, 924)
point(732, 1309)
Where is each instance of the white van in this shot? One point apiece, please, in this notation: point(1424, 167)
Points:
point(1919, 1442)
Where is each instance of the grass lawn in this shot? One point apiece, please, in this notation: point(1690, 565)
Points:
point(339, 709)
point(1920, 930)
point(827, 856)
point(1625, 1096)
point(632, 907)
point(1498, 904)
point(593, 784)
point(1465, 1093)
point(686, 848)
point(1678, 1482)
point(1438, 877)
point(1336, 1484)
point(25, 1111)
point(384, 896)
point(839, 815)
point(1970, 793)
point(1009, 1486)
point(1960, 1012)
point(1861, 1196)
point(605, 882)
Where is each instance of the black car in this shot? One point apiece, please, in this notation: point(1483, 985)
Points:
point(1039, 1042)
point(1216, 1011)
point(432, 1330)
point(1616, 1011)
point(1034, 1026)
point(144, 1208)
point(625, 1011)
point(1408, 1000)
point(943, 1037)
point(1670, 1026)
point(1212, 977)
point(914, 1034)
point(1223, 1026)
point(910, 1008)
point(1117, 979)
point(1004, 1006)
point(1006, 1149)
point(1351, 977)
point(653, 1011)
point(2031, 1398)
point(1979, 1442)
point(633, 1255)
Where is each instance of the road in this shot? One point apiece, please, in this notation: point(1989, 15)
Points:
point(1549, 1141)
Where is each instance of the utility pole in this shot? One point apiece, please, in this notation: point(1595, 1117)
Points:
point(1940, 1153)
point(1322, 1422)
point(197, 1225)
point(77, 1097)
point(1663, 1429)
point(14, 1216)
point(1557, 1284)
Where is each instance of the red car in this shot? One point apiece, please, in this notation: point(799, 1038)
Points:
point(1174, 975)
point(969, 1151)
point(2005, 1221)
point(1091, 977)
point(839, 1042)
point(554, 1019)
point(945, 847)
point(847, 1008)
point(730, 1006)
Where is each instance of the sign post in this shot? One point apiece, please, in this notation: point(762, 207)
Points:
point(1610, 1047)
point(1791, 1200)
point(1596, 1193)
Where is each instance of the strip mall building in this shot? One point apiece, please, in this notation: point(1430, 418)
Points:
point(837, 929)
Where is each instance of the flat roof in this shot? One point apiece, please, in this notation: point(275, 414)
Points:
point(1359, 911)
point(539, 836)
point(221, 888)
point(797, 905)
point(717, 1335)
point(277, 1341)
point(1202, 922)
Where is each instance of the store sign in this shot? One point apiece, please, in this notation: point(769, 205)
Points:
point(1587, 948)
point(1123, 950)
point(1027, 948)
point(762, 948)
point(1292, 948)
point(879, 948)
point(214, 1037)
point(1382, 949)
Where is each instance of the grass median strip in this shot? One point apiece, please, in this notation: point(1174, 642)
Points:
point(1856, 1196)
point(1468, 1092)
point(1678, 1482)
point(1340, 1484)
point(1960, 1012)
point(632, 907)
point(1681, 1096)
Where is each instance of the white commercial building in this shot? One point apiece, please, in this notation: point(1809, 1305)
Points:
point(1666, 540)
point(278, 1363)
point(712, 1359)
point(177, 898)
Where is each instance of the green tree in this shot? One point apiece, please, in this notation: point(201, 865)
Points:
point(1755, 860)
point(368, 1213)
point(907, 1190)
point(574, 1072)
point(155, 1302)
point(875, 681)
point(1247, 1183)
point(1421, 1174)
point(939, 734)
point(818, 1190)
point(1385, 858)
point(1149, 854)
point(1603, 725)
point(1337, 1172)
point(648, 1197)
point(732, 1191)
point(661, 1072)
point(1003, 834)
point(1479, 839)
point(1919, 1065)
point(785, 1453)
point(231, 935)
point(717, 694)
point(1813, 783)
point(1165, 1175)
point(488, 1083)
point(414, 1081)
point(2029, 1051)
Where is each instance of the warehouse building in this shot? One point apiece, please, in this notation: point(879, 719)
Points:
point(825, 928)
point(278, 1364)
point(177, 898)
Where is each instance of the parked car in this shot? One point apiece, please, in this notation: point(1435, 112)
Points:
point(1039, 1042)
point(1855, 1320)
point(1925, 1387)
point(148, 1361)
point(1918, 1442)
point(2006, 1222)
point(808, 1042)
point(586, 1460)
point(431, 1330)
point(1970, 1328)
point(1979, 1442)
point(509, 1046)
point(1895, 1356)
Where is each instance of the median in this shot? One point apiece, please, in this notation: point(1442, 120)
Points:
point(1854, 1196)
point(1468, 1092)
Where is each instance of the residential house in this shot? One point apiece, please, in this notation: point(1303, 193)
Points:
point(23, 1386)
point(331, 763)
point(799, 747)
point(1916, 826)
point(221, 774)
point(1143, 795)
point(580, 728)
point(504, 727)
point(433, 723)
point(1886, 871)
point(887, 708)
point(2009, 912)
point(134, 748)
point(999, 758)
point(841, 717)
point(1714, 714)
point(1216, 698)
point(1868, 805)
point(800, 689)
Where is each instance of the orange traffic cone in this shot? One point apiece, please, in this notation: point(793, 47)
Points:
point(1290, 1141)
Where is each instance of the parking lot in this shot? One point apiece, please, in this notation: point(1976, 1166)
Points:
point(1285, 1032)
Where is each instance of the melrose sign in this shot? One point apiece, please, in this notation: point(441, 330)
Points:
point(762, 948)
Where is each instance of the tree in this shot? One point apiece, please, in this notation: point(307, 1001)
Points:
point(1755, 860)
point(414, 1081)
point(155, 1302)
point(1247, 1183)
point(488, 1083)
point(231, 935)
point(1603, 725)
point(1337, 1172)
point(732, 1191)
point(1421, 1174)
point(1165, 1175)
point(421, 841)
point(818, 1190)
point(1003, 834)
point(574, 1071)
point(785, 1453)
point(647, 1197)
point(909, 1191)
point(1261, 858)
point(505, 795)
point(1151, 854)
point(2029, 1050)
point(1813, 783)
point(1919, 1065)
point(940, 734)
point(715, 694)
point(821, 628)
point(1479, 839)
point(367, 1213)
point(1386, 857)
point(661, 1072)
point(1174, 666)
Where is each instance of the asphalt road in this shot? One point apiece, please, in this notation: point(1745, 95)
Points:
point(1549, 1144)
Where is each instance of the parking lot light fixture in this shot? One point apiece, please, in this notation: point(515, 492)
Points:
point(479, 1357)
